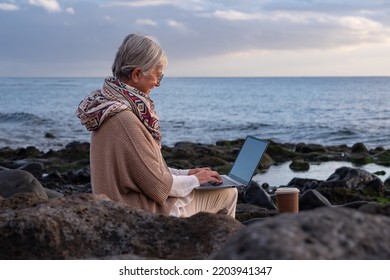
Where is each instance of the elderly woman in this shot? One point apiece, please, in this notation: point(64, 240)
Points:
point(125, 155)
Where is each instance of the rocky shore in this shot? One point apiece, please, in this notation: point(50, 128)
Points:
point(47, 210)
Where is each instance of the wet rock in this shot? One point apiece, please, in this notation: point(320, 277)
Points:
point(323, 233)
point(354, 179)
point(35, 168)
point(19, 181)
point(387, 183)
point(20, 201)
point(256, 195)
point(80, 176)
point(310, 148)
point(86, 226)
point(312, 199)
point(3, 168)
point(52, 193)
point(383, 158)
point(369, 207)
point(299, 165)
point(49, 135)
point(359, 148)
point(304, 184)
point(246, 212)
point(281, 152)
point(28, 152)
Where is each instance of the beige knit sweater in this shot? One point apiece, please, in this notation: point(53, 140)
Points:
point(127, 165)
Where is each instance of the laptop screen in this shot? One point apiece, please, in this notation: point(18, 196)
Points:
point(248, 159)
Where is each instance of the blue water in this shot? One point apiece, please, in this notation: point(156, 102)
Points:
point(326, 111)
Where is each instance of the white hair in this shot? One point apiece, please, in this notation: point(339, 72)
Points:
point(141, 51)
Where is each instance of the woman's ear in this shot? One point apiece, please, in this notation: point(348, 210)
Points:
point(135, 74)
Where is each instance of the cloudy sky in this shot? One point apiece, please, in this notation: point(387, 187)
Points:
point(200, 37)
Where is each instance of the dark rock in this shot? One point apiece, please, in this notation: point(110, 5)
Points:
point(49, 135)
point(87, 188)
point(3, 168)
point(281, 153)
point(52, 193)
point(80, 176)
point(245, 212)
point(304, 184)
point(20, 201)
point(354, 179)
point(255, 194)
point(89, 227)
point(299, 165)
point(383, 158)
point(35, 168)
point(380, 173)
point(323, 233)
point(359, 148)
point(19, 181)
point(361, 159)
point(309, 148)
point(312, 199)
point(72, 151)
point(375, 208)
point(28, 152)
point(54, 176)
point(369, 207)
point(254, 220)
point(387, 183)
point(266, 161)
point(7, 153)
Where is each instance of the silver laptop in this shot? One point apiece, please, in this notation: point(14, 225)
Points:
point(244, 167)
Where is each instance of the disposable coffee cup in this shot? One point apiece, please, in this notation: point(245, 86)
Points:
point(287, 200)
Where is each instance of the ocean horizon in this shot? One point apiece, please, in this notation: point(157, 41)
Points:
point(319, 110)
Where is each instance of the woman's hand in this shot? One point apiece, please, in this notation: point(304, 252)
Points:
point(205, 175)
point(193, 171)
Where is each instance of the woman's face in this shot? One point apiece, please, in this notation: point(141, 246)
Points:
point(145, 82)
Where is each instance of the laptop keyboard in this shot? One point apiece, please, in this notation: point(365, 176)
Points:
point(227, 181)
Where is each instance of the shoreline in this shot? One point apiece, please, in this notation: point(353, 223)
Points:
point(357, 153)
point(59, 206)
point(297, 159)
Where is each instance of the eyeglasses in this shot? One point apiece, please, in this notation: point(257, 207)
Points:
point(159, 79)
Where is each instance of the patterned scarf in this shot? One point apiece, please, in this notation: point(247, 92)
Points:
point(113, 98)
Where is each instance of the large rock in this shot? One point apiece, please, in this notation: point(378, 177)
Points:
point(354, 179)
point(20, 181)
point(256, 195)
point(312, 199)
point(345, 185)
point(323, 233)
point(85, 226)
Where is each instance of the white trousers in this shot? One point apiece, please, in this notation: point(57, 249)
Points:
point(212, 201)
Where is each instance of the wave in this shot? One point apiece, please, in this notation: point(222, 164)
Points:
point(22, 118)
point(241, 127)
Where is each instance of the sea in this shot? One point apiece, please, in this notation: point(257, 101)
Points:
point(40, 112)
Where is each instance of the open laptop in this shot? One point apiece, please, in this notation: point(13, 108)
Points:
point(244, 167)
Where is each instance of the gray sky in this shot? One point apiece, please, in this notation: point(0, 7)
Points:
point(200, 37)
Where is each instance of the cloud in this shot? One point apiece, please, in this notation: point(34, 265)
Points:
point(48, 5)
point(70, 10)
point(235, 15)
point(189, 30)
point(146, 21)
point(141, 3)
point(300, 29)
point(8, 7)
point(177, 25)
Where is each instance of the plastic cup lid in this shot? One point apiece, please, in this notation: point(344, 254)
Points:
point(286, 190)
